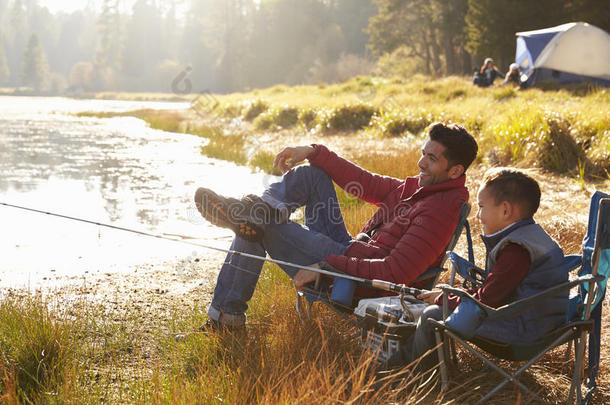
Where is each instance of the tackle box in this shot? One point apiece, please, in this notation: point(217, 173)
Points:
point(384, 325)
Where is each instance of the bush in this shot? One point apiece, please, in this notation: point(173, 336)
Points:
point(560, 153)
point(254, 109)
point(307, 117)
point(229, 110)
point(277, 118)
point(399, 63)
point(264, 121)
point(396, 123)
point(346, 118)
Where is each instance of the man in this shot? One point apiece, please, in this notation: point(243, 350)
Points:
point(407, 234)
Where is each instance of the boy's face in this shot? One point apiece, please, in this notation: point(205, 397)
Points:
point(493, 217)
point(433, 166)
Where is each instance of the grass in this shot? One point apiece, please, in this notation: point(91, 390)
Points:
point(510, 124)
point(94, 353)
point(561, 130)
point(119, 358)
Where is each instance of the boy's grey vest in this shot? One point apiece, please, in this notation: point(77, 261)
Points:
point(546, 271)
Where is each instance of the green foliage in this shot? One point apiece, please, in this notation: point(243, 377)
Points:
point(559, 153)
point(430, 34)
point(504, 93)
point(277, 118)
point(35, 66)
point(552, 129)
point(226, 147)
point(397, 123)
point(264, 160)
point(36, 348)
point(307, 117)
point(254, 108)
point(5, 72)
point(346, 118)
point(491, 24)
point(399, 63)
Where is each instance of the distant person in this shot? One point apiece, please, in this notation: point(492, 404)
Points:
point(522, 260)
point(486, 75)
point(513, 76)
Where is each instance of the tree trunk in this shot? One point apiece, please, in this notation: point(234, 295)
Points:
point(450, 59)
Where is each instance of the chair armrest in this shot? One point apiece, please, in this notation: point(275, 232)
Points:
point(464, 295)
point(516, 307)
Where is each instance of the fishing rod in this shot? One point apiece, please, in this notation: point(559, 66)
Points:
point(377, 284)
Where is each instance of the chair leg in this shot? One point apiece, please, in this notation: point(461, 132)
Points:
point(575, 387)
point(441, 359)
point(568, 355)
point(300, 304)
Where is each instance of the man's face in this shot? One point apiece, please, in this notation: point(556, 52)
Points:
point(433, 166)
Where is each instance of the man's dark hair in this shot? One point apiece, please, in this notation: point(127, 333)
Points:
point(461, 148)
point(514, 186)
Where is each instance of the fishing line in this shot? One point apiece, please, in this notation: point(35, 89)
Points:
point(377, 284)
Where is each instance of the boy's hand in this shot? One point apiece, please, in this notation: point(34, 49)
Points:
point(429, 296)
point(290, 156)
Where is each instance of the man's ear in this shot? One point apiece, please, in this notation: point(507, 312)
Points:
point(456, 171)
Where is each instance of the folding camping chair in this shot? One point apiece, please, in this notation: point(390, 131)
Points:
point(320, 291)
point(583, 314)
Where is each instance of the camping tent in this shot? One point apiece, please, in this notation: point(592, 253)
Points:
point(568, 53)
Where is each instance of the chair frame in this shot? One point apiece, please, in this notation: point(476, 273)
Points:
point(575, 330)
point(320, 293)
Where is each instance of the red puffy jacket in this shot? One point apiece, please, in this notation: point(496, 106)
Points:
point(413, 224)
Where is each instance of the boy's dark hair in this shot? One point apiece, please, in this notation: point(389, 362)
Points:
point(514, 186)
point(461, 146)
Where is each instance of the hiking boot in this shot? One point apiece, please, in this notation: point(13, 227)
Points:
point(261, 210)
point(212, 327)
point(246, 217)
point(229, 213)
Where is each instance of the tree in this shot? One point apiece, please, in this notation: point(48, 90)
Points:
point(142, 50)
point(108, 52)
point(35, 67)
point(15, 39)
point(81, 76)
point(5, 73)
point(491, 24)
point(427, 30)
point(353, 17)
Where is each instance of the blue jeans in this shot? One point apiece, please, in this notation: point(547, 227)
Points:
point(323, 235)
point(424, 339)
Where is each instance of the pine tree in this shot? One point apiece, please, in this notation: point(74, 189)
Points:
point(35, 67)
point(5, 73)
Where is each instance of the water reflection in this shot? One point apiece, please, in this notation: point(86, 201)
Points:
point(111, 170)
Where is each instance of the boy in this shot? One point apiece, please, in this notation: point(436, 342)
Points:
point(522, 260)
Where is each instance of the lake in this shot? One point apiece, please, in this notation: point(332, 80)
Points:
point(116, 171)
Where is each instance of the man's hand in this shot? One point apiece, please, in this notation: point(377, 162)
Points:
point(305, 276)
point(290, 156)
point(429, 296)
